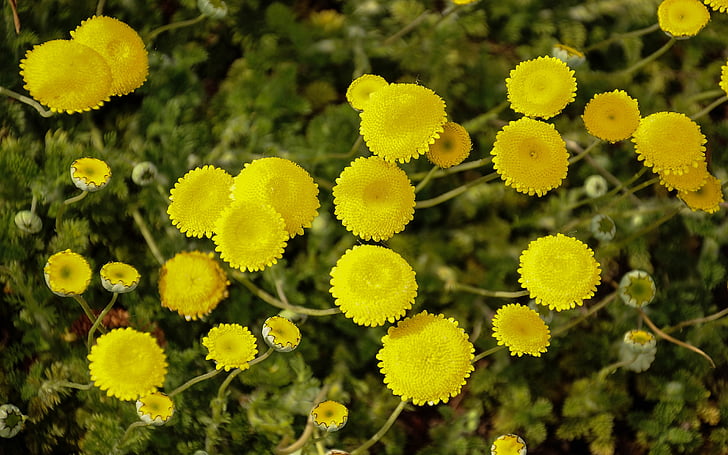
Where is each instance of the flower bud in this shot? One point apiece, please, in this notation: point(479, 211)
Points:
point(637, 288)
point(330, 415)
point(155, 408)
point(144, 173)
point(28, 221)
point(214, 9)
point(638, 350)
point(11, 420)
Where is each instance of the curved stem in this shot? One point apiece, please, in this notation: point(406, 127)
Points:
point(710, 318)
point(148, 238)
point(99, 319)
point(193, 381)
point(621, 36)
point(29, 101)
point(667, 337)
point(581, 152)
point(261, 357)
point(382, 431)
point(423, 183)
point(710, 107)
point(650, 58)
point(129, 429)
point(67, 202)
point(261, 294)
point(485, 292)
point(86, 308)
point(74, 385)
point(488, 352)
point(427, 203)
point(174, 25)
point(604, 302)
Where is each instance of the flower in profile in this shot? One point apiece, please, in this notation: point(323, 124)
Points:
point(567, 54)
point(250, 235)
point(374, 199)
point(669, 142)
point(155, 408)
point(612, 116)
point(400, 121)
point(521, 329)
point(717, 5)
point(724, 78)
point(230, 346)
point(559, 272)
point(197, 200)
point(28, 222)
point(541, 87)
point(119, 277)
point(707, 198)
point(90, 174)
point(691, 180)
point(214, 9)
point(330, 415)
point(67, 273)
point(11, 420)
point(451, 148)
point(121, 47)
point(508, 444)
point(603, 227)
point(637, 288)
point(682, 18)
point(281, 334)
point(361, 88)
point(127, 364)
point(373, 284)
point(192, 283)
point(426, 358)
point(530, 156)
point(638, 350)
point(282, 184)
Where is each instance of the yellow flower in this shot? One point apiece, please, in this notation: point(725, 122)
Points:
point(330, 415)
point(508, 444)
point(401, 121)
point(521, 329)
point(717, 5)
point(682, 18)
point(451, 148)
point(119, 277)
point(121, 47)
point(230, 346)
point(250, 235)
point(426, 358)
point(691, 180)
point(708, 198)
point(724, 78)
point(281, 334)
point(155, 408)
point(197, 200)
point(669, 142)
point(282, 184)
point(90, 174)
point(559, 271)
point(374, 199)
point(66, 76)
point(463, 2)
point(372, 285)
point(612, 116)
point(192, 283)
point(530, 156)
point(127, 364)
point(362, 87)
point(638, 350)
point(541, 87)
point(67, 273)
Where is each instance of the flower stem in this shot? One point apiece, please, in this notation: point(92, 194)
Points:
point(67, 202)
point(604, 302)
point(98, 320)
point(100, 7)
point(621, 36)
point(174, 25)
point(581, 153)
point(261, 294)
point(151, 243)
point(307, 431)
point(667, 337)
point(193, 381)
point(710, 107)
point(650, 58)
point(382, 431)
point(427, 203)
point(487, 352)
point(122, 440)
point(84, 304)
point(74, 385)
point(712, 317)
point(485, 292)
point(29, 101)
point(423, 183)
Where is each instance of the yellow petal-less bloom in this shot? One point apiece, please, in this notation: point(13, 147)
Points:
point(67, 273)
point(690, 180)
point(66, 76)
point(330, 415)
point(119, 277)
point(463, 2)
point(282, 184)
point(361, 88)
point(197, 200)
point(612, 116)
point(669, 142)
point(559, 271)
point(724, 78)
point(401, 121)
point(530, 156)
point(250, 235)
point(121, 47)
point(541, 87)
point(707, 199)
point(127, 364)
point(90, 174)
point(373, 284)
point(155, 408)
point(508, 444)
point(717, 5)
point(426, 358)
point(682, 18)
point(451, 148)
point(521, 329)
point(281, 334)
point(374, 199)
point(230, 346)
point(192, 283)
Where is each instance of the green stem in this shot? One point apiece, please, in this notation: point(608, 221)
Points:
point(193, 381)
point(485, 292)
point(75, 385)
point(382, 431)
point(98, 320)
point(126, 434)
point(100, 7)
point(86, 308)
point(427, 203)
point(67, 202)
point(609, 369)
point(650, 58)
point(646, 229)
point(455, 169)
point(148, 238)
point(427, 179)
point(486, 353)
point(29, 101)
point(621, 36)
point(611, 178)
point(604, 302)
point(667, 337)
point(710, 107)
point(581, 153)
point(261, 294)
point(174, 25)
point(702, 320)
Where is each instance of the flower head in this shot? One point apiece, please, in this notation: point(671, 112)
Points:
point(508, 444)
point(603, 227)
point(127, 364)
point(197, 200)
point(214, 9)
point(521, 329)
point(67, 273)
point(426, 358)
point(682, 18)
point(559, 271)
point(707, 198)
point(11, 420)
point(144, 173)
point(230, 346)
point(361, 88)
point(530, 156)
point(717, 5)
point(282, 184)
point(612, 116)
point(637, 288)
point(281, 334)
point(119, 277)
point(373, 284)
point(373, 198)
point(567, 54)
point(90, 174)
point(121, 47)
point(192, 283)
point(691, 180)
point(28, 222)
point(638, 350)
point(541, 87)
point(155, 408)
point(330, 415)
point(66, 76)
point(669, 142)
point(400, 121)
point(451, 148)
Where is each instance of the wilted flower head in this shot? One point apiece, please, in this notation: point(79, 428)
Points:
point(90, 174)
point(67, 273)
point(330, 415)
point(541, 87)
point(155, 408)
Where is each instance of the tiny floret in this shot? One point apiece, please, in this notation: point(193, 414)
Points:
point(119, 277)
point(361, 88)
point(541, 87)
point(281, 334)
point(230, 346)
point(707, 198)
point(155, 408)
point(508, 444)
point(67, 273)
point(637, 288)
point(521, 329)
point(612, 116)
point(451, 148)
point(682, 18)
point(669, 142)
point(90, 174)
point(330, 415)
point(197, 200)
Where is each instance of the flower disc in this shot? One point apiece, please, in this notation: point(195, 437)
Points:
point(682, 18)
point(330, 415)
point(521, 329)
point(541, 87)
point(669, 142)
point(119, 277)
point(230, 346)
point(197, 200)
point(361, 88)
point(691, 180)
point(451, 148)
point(67, 273)
point(708, 198)
point(155, 408)
point(612, 116)
point(90, 174)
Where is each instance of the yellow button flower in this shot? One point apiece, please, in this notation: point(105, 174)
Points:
point(330, 415)
point(155, 408)
point(669, 142)
point(521, 329)
point(541, 87)
point(230, 346)
point(90, 174)
point(717, 5)
point(361, 88)
point(127, 364)
point(612, 116)
point(690, 180)
point(707, 198)
point(508, 444)
point(281, 334)
point(682, 18)
point(197, 200)
point(67, 273)
point(559, 271)
point(451, 148)
point(119, 277)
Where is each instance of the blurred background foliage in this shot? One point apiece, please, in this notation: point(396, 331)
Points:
point(269, 80)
